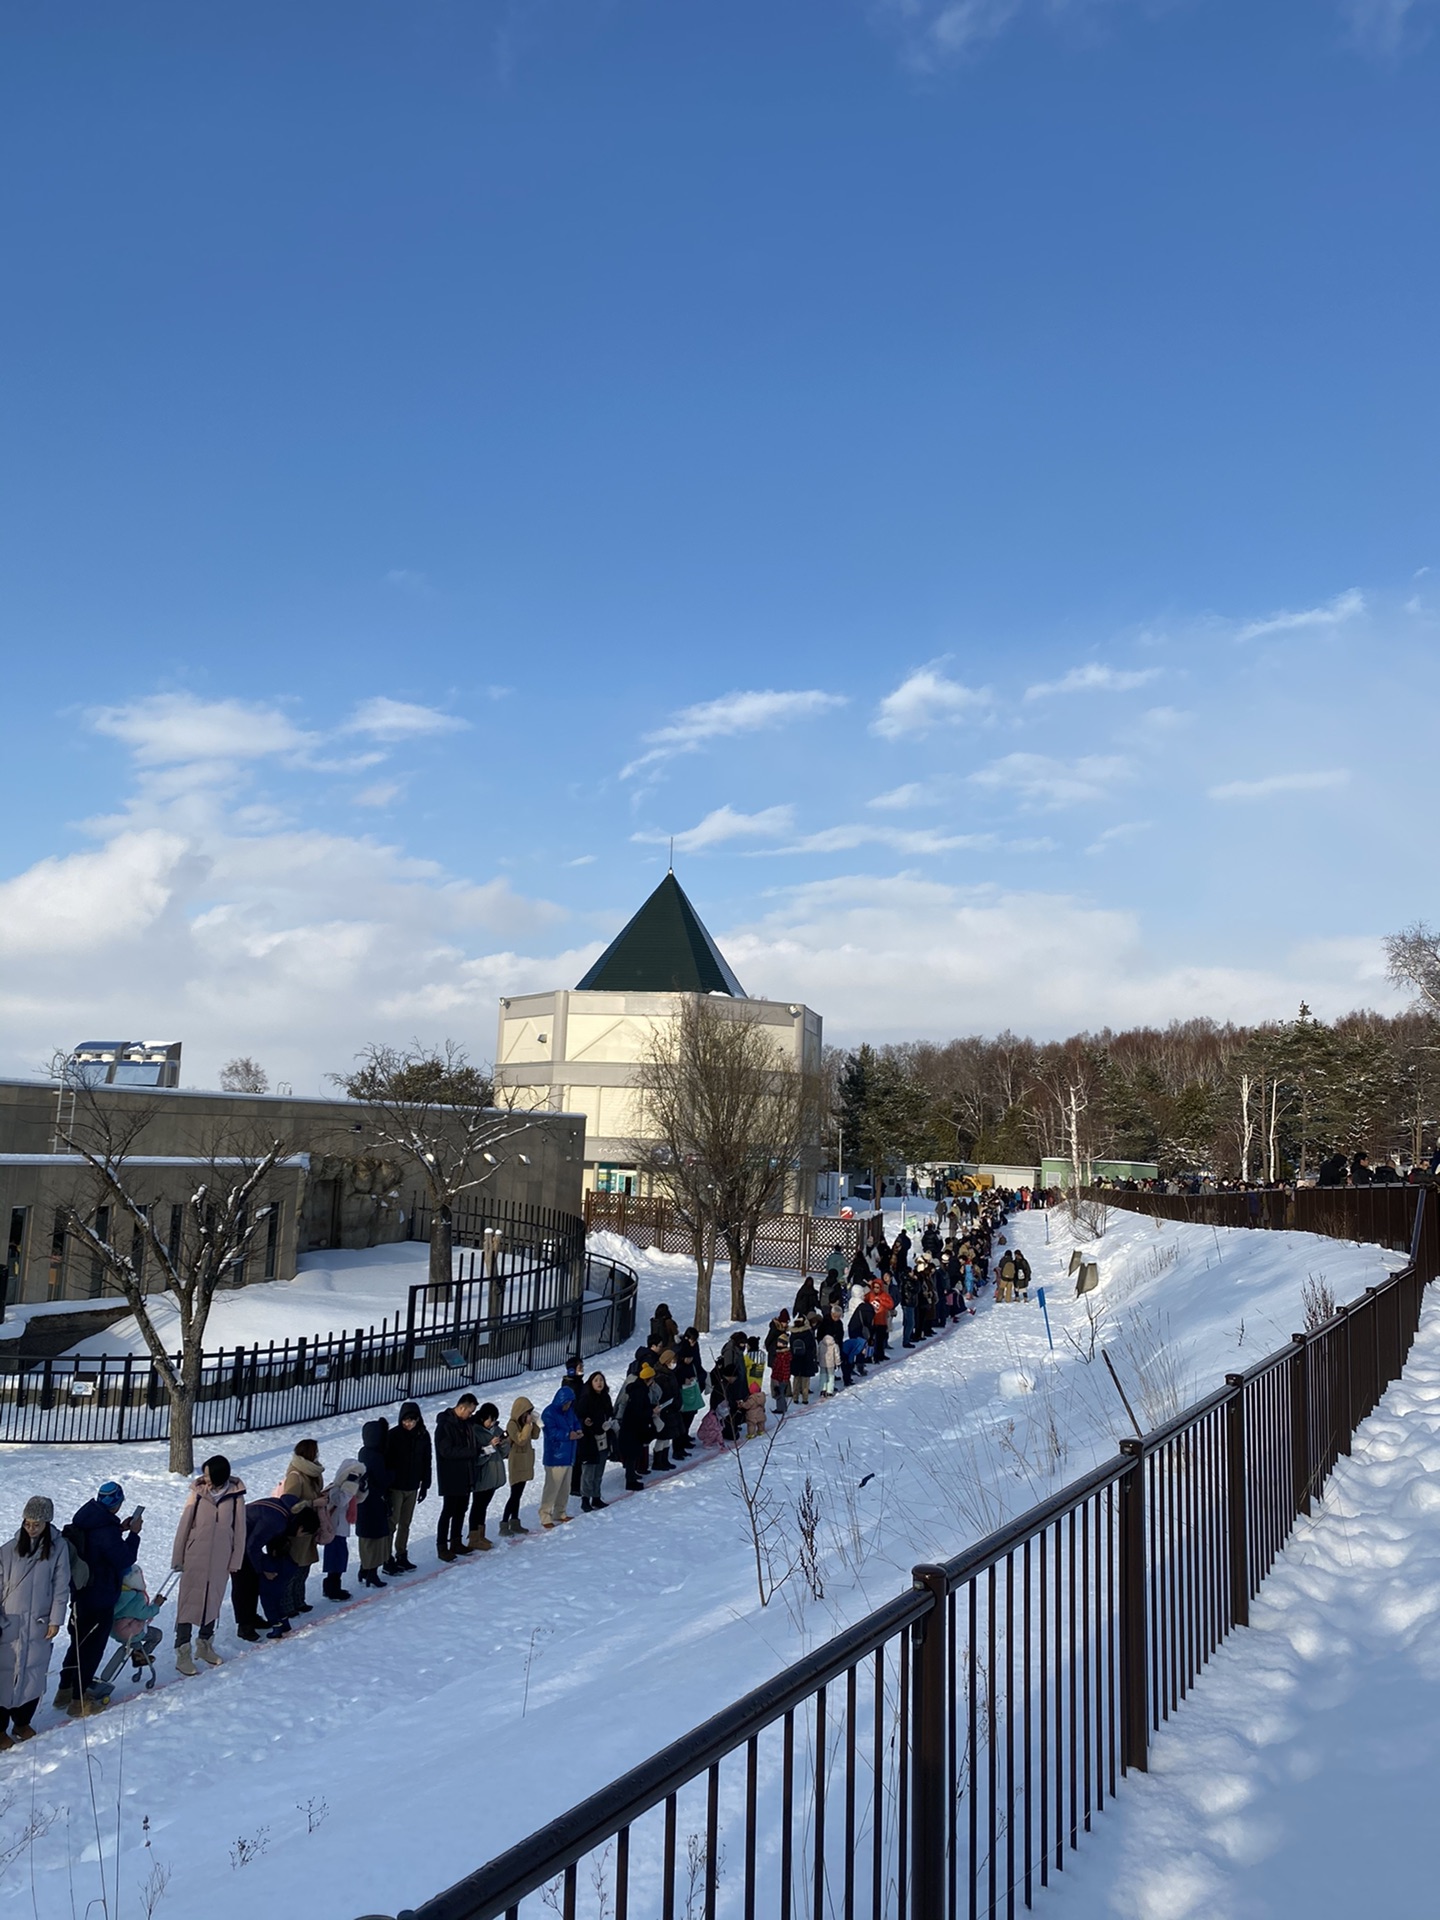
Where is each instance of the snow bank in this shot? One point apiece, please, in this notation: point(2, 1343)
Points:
point(1300, 1776)
point(471, 1703)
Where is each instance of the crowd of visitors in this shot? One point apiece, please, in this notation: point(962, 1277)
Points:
point(259, 1552)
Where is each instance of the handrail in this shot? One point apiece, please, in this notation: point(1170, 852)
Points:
point(1190, 1533)
point(525, 1867)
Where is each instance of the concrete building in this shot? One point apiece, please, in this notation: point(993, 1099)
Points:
point(332, 1190)
point(578, 1050)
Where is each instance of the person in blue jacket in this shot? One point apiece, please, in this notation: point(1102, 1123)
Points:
point(563, 1434)
point(265, 1576)
point(108, 1546)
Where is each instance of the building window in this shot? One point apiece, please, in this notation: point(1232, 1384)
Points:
point(57, 1255)
point(15, 1255)
point(615, 1179)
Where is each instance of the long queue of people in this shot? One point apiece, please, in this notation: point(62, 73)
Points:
point(261, 1552)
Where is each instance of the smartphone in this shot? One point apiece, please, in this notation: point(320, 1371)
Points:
point(135, 1516)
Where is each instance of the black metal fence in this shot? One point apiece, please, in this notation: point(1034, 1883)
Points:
point(943, 1756)
point(523, 1298)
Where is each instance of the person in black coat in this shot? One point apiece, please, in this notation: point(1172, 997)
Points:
point(635, 1419)
point(457, 1454)
point(372, 1514)
point(667, 1380)
point(409, 1456)
point(807, 1298)
point(595, 1411)
point(693, 1379)
point(263, 1582)
point(804, 1359)
point(109, 1547)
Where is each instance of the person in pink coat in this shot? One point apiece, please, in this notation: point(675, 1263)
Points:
point(209, 1546)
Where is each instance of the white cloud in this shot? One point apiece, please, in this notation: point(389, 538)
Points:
point(381, 794)
point(1333, 614)
point(733, 713)
point(724, 824)
point(1281, 783)
point(1380, 26)
point(385, 719)
point(912, 794)
point(924, 700)
point(844, 839)
point(896, 956)
point(1094, 678)
point(167, 728)
point(933, 31)
point(1123, 830)
point(1164, 719)
point(1037, 780)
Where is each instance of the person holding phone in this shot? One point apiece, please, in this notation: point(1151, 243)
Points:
point(108, 1546)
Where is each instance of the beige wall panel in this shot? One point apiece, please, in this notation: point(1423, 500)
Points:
point(595, 1037)
point(619, 1117)
point(521, 1040)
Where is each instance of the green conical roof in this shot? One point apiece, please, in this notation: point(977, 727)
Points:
point(664, 949)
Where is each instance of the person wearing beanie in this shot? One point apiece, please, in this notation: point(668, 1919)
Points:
point(34, 1592)
point(410, 1458)
point(108, 1546)
point(635, 1425)
point(209, 1550)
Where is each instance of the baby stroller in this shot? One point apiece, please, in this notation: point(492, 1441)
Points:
point(135, 1639)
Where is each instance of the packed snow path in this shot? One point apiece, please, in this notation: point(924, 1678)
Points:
point(387, 1749)
point(1300, 1777)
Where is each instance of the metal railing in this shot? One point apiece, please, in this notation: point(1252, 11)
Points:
point(509, 1311)
point(945, 1754)
point(796, 1242)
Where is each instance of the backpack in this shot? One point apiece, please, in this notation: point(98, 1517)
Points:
point(74, 1538)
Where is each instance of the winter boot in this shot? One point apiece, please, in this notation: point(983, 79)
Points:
point(403, 1562)
point(477, 1542)
point(585, 1503)
point(185, 1661)
point(205, 1650)
point(370, 1577)
point(332, 1588)
point(392, 1567)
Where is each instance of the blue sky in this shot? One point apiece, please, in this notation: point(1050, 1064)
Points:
point(967, 468)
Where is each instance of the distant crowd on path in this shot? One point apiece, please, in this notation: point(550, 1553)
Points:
point(259, 1553)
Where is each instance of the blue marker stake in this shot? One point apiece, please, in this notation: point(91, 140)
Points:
point(1040, 1296)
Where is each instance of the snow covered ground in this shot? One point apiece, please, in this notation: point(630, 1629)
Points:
point(1300, 1777)
point(468, 1704)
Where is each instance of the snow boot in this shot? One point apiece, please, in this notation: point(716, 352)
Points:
point(185, 1661)
point(445, 1554)
point(205, 1650)
point(477, 1542)
point(392, 1567)
point(596, 1504)
point(404, 1564)
point(332, 1588)
point(585, 1503)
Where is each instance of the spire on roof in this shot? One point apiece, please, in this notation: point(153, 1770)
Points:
point(666, 948)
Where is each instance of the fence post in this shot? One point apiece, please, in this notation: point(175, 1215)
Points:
point(1239, 1502)
point(1134, 1649)
point(124, 1398)
point(929, 1789)
point(1300, 1420)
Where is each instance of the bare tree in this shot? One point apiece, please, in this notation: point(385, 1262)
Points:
point(1413, 958)
point(244, 1075)
point(207, 1241)
point(732, 1128)
point(428, 1108)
